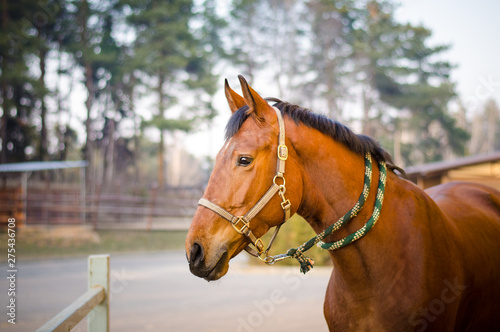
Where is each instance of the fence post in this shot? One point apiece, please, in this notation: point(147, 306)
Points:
point(98, 319)
point(94, 303)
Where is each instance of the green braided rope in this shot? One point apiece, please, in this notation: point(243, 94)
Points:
point(370, 223)
point(297, 252)
point(306, 263)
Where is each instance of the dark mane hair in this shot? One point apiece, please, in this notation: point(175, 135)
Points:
point(360, 144)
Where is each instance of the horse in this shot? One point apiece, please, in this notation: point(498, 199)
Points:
point(430, 263)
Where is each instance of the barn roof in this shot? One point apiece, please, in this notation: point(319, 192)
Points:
point(444, 166)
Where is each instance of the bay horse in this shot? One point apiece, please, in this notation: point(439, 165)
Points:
point(432, 261)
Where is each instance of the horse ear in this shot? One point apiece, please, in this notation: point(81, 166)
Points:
point(234, 100)
point(257, 104)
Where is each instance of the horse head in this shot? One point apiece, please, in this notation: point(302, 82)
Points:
point(245, 196)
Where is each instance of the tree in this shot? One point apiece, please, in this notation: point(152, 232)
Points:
point(48, 21)
point(426, 93)
point(492, 111)
point(17, 85)
point(268, 37)
point(485, 136)
point(375, 40)
point(403, 73)
point(329, 61)
point(88, 27)
point(172, 57)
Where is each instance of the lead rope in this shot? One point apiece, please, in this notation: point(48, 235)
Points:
point(306, 263)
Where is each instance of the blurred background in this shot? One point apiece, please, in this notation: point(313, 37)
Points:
point(112, 111)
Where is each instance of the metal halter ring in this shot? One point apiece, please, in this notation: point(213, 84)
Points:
point(279, 176)
point(270, 260)
point(282, 191)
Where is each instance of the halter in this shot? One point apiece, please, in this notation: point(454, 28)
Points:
point(241, 224)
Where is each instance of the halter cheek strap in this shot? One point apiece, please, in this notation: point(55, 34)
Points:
point(241, 224)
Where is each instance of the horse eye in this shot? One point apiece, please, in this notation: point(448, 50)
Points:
point(244, 161)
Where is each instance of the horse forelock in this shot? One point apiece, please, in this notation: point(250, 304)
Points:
point(236, 121)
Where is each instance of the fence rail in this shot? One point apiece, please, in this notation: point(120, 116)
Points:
point(94, 303)
point(65, 206)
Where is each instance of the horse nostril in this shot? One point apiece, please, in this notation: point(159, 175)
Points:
point(196, 256)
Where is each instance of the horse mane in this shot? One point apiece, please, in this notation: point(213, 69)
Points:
point(360, 144)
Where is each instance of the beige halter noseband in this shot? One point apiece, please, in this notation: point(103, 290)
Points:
point(241, 224)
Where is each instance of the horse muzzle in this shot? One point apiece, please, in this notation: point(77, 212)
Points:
point(208, 269)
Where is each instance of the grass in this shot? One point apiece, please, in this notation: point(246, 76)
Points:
point(35, 245)
point(291, 235)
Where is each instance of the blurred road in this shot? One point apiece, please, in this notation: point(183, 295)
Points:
point(156, 292)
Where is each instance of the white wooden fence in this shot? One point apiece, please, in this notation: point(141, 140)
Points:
point(94, 303)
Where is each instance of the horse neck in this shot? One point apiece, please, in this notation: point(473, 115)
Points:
point(333, 180)
point(333, 177)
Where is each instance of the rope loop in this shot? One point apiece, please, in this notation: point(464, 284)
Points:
point(306, 263)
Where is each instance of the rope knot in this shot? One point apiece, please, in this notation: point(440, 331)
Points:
point(306, 263)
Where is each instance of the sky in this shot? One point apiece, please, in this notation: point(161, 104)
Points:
point(470, 27)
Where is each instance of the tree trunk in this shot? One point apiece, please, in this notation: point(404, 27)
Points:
point(137, 128)
point(42, 153)
point(161, 161)
point(161, 148)
point(110, 156)
point(476, 136)
point(492, 115)
point(89, 84)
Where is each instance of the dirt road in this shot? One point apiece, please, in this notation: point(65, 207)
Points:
point(156, 292)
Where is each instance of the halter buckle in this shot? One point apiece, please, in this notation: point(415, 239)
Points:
point(282, 152)
point(285, 205)
point(259, 245)
point(241, 230)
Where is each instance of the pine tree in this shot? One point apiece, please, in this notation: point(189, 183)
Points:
point(88, 38)
point(268, 37)
point(172, 57)
point(17, 85)
point(402, 72)
point(48, 32)
point(375, 39)
point(331, 35)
